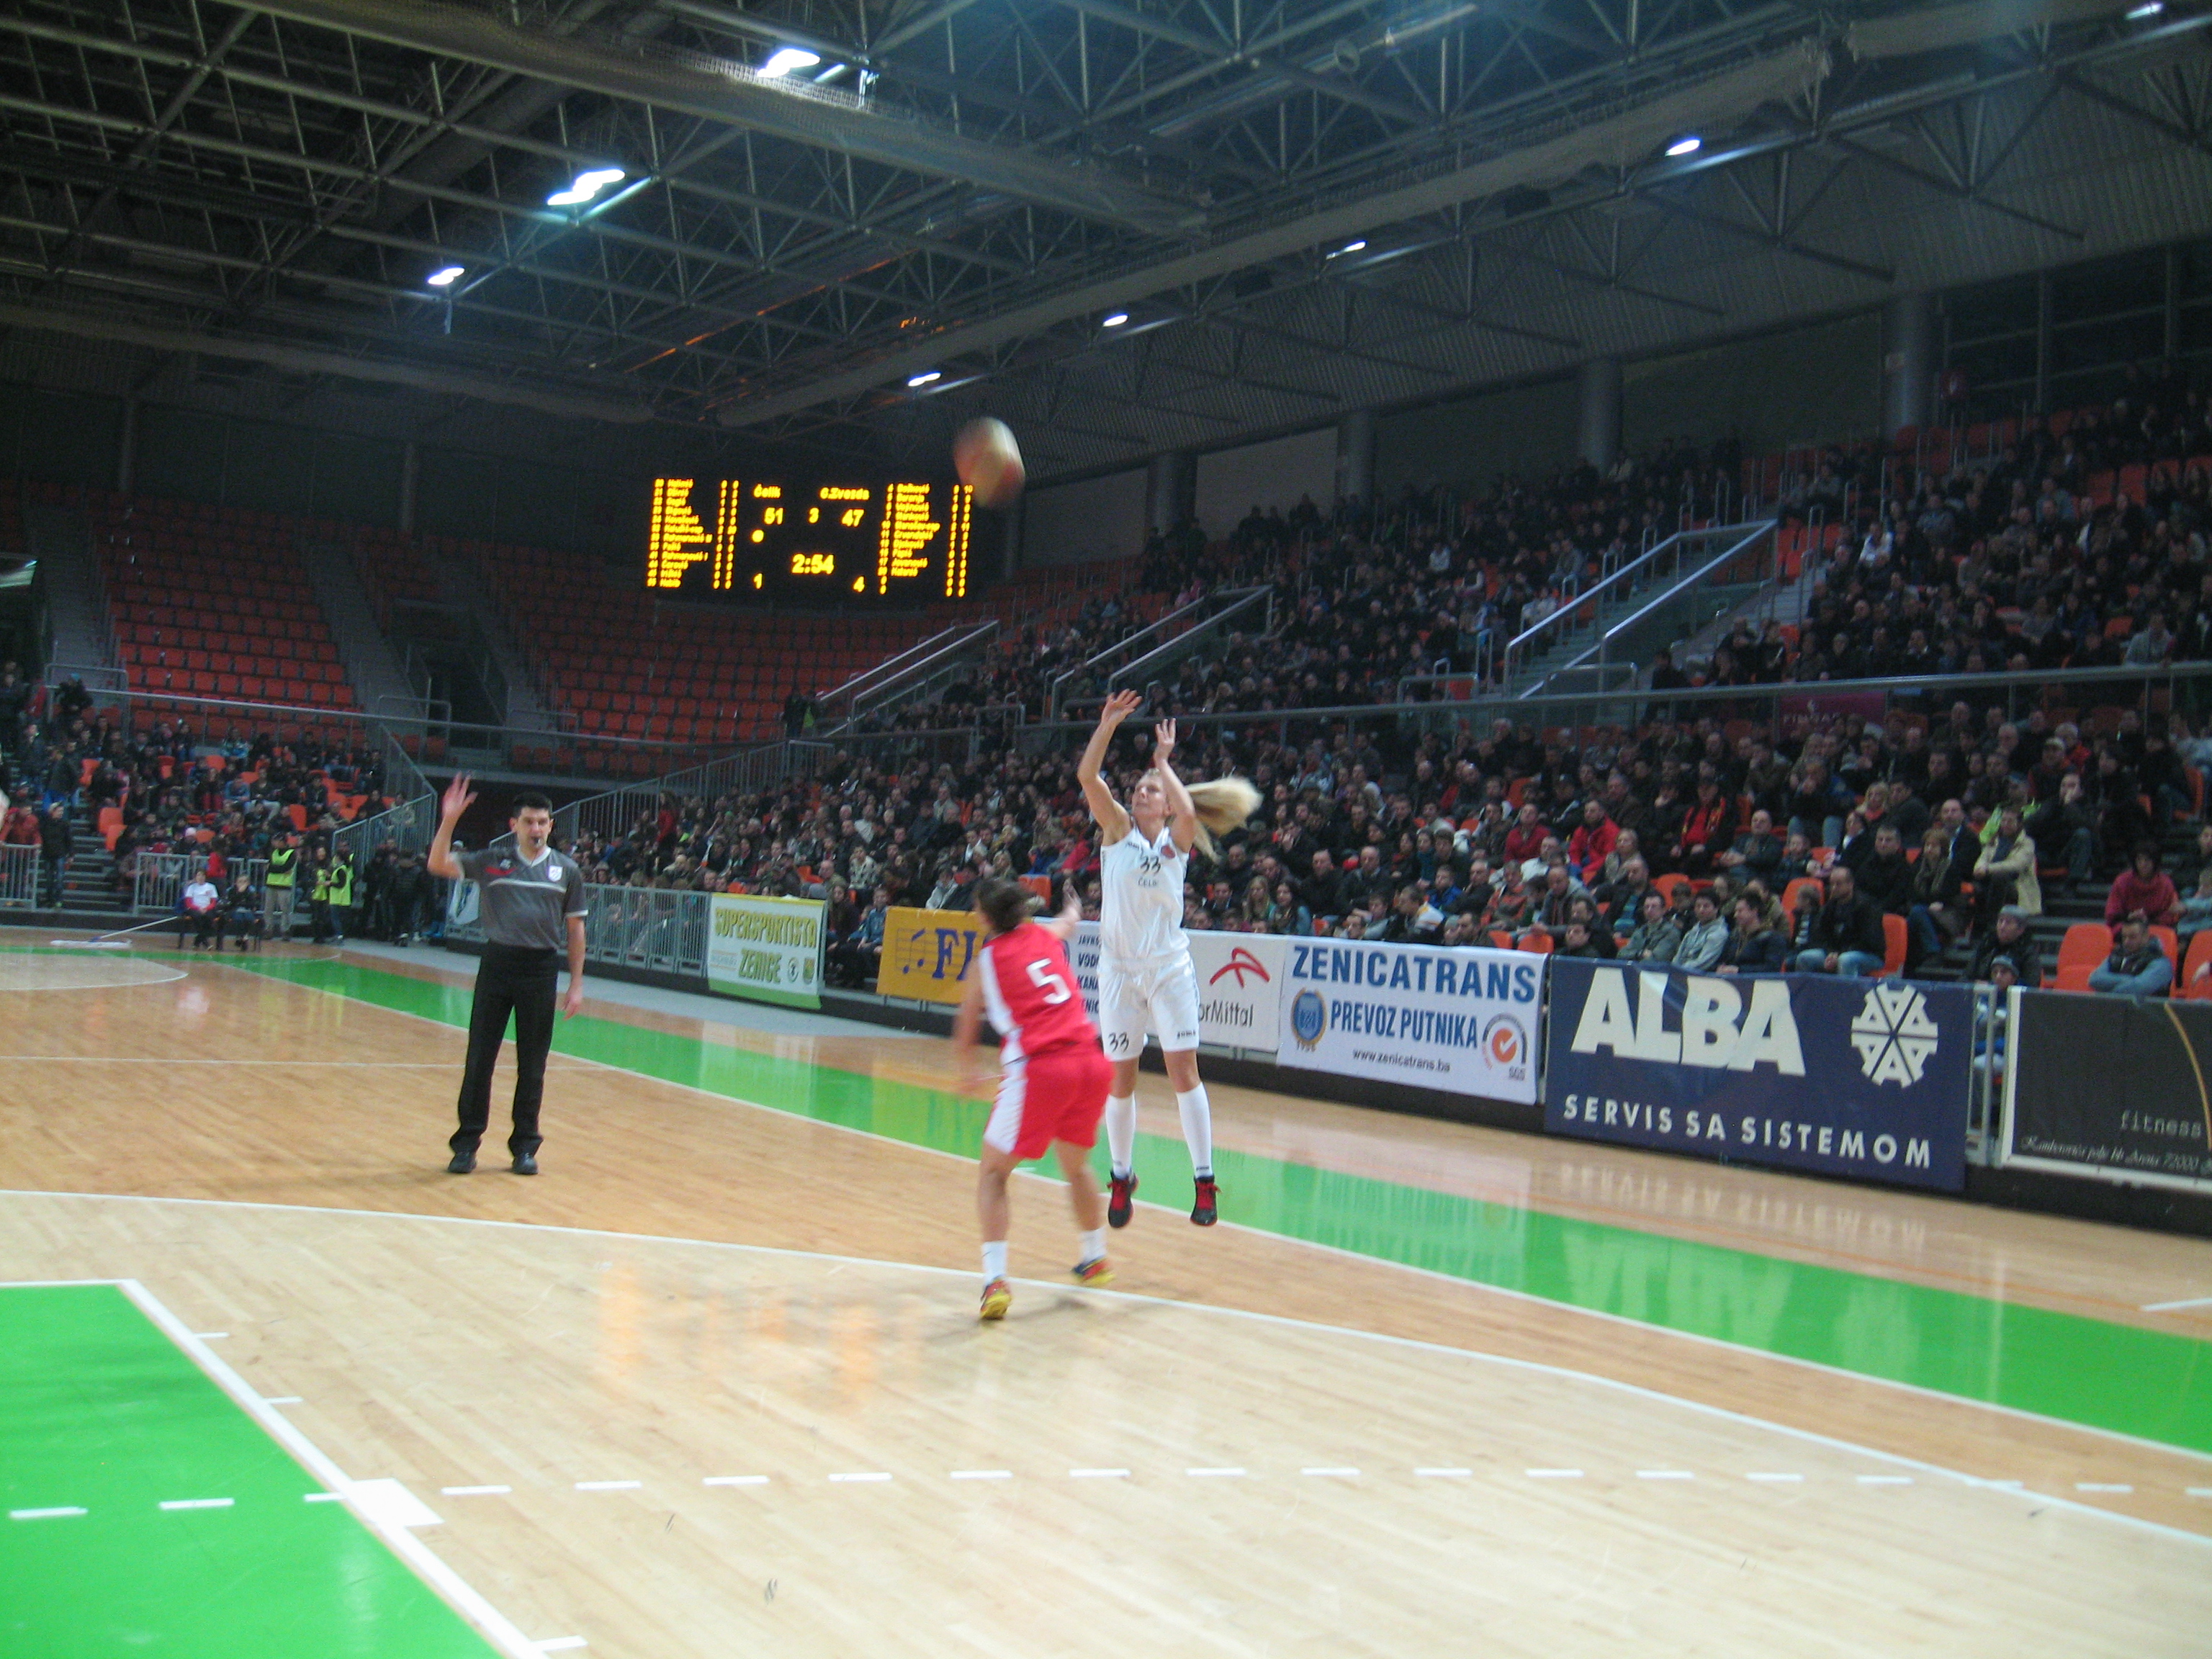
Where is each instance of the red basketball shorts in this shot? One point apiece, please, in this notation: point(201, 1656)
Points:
point(1060, 1096)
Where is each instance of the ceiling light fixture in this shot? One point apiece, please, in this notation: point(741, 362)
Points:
point(1114, 319)
point(923, 378)
point(1353, 246)
point(446, 275)
point(2149, 8)
point(787, 59)
point(1688, 144)
point(586, 186)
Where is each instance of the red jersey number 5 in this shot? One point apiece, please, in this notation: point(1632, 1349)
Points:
point(1041, 976)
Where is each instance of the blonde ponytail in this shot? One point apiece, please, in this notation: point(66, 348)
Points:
point(1222, 804)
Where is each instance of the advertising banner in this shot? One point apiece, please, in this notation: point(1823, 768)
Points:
point(1848, 1077)
point(1464, 1021)
point(1240, 984)
point(767, 949)
point(2069, 1107)
point(927, 953)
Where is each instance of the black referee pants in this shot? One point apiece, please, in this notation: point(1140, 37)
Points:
point(510, 979)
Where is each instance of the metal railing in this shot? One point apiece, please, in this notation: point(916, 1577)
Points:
point(612, 811)
point(1730, 561)
point(18, 878)
point(627, 927)
point(1664, 561)
point(1170, 630)
point(913, 674)
point(158, 887)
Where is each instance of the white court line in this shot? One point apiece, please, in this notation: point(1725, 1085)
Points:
point(43, 1514)
point(1774, 1477)
point(2168, 1307)
point(1445, 1474)
point(1339, 1474)
point(339, 1064)
point(1885, 1480)
point(1215, 1474)
point(608, 1485)
point(1475, 1356)
point(873, 1475)
point(282, 1400)
point(1721, 1411)
point(474, 1491)
point(735, 1481)
point(1099, 1474)
point(562, 1643)
point(197, 1502)
point(323, 1498)
point(2101, 1486)
point(212, 1336)
point(428, 1566)
point(983, 1474)
point(2199, 1491)
point(1555, 1474)
point(1664, 1474)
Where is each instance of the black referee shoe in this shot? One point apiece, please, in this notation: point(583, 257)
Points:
point(462, 1164)
point(526, 1163)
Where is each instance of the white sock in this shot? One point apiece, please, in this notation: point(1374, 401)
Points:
point(1197, 1130)
point(1121, 1131)
point(994, 1260)
point(1094, 1246)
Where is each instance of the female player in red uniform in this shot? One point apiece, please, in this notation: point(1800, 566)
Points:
point(1052, 1085)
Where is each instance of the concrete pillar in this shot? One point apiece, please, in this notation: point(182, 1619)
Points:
point(411, 465)
point(1908, 361)
point(1355, 457)
point(126, 449)
point(1601, 420)
point(1170, 490)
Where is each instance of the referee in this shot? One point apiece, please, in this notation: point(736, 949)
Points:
point(532, 908)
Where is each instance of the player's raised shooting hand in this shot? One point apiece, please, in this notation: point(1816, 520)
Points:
point(1164, 742)
point(457, 798)
point(1119, 708)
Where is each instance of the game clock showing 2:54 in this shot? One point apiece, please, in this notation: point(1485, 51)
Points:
point(756, 540)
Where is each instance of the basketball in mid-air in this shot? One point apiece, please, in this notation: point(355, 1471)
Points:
point(989, 461)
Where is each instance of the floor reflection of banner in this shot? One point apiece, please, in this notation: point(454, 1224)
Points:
point(2111, 1087)
point(927, 953)
point(1849, 1076)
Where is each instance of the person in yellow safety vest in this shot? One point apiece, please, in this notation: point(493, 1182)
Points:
point(280, 887)
point(320, 867)
point(341, 893)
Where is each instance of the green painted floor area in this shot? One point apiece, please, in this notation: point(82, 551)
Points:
point(2089, 1371)
point(101, 1412)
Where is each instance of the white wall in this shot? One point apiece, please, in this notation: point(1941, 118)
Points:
point(1094, 518)
point(1232, 481)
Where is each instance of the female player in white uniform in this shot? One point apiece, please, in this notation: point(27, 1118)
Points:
point(1146, 978)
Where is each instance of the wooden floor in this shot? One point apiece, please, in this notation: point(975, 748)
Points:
point(1255, 1446)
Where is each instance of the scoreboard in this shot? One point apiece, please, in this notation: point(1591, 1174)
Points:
point(819, 544)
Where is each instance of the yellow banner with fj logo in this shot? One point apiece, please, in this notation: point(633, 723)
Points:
point(927, 954)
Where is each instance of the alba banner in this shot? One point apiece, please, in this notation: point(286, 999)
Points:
point(1850, 1077)
point(768, 949)
point(1240, 980)
point(927, 953)
point(1460, 1020)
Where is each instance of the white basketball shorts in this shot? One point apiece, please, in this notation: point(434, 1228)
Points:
point(1160, 999)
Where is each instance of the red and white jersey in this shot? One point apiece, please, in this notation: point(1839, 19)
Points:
point(1030, 995)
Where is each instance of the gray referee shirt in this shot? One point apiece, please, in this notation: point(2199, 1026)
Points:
point(525, 905)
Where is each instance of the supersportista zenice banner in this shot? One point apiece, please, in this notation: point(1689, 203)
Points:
point(768, 949)
point(1848, 1077)
point(1460, 1020)
point(1240, 984)
point(2111, 1087)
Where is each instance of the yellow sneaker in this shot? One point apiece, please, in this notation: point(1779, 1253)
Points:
point(1096, 1273)
point(998, 1296)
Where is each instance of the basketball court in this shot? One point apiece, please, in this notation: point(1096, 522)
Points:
point(712, 1383)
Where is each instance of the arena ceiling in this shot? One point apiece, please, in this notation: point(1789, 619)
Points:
point(1298, 207)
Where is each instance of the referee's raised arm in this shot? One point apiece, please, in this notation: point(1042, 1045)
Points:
point(457, 799)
